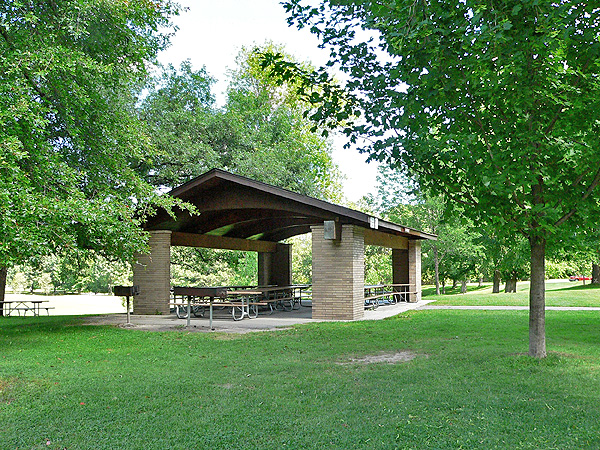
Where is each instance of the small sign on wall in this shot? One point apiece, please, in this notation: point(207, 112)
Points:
point(332, 230)
point(374, 223)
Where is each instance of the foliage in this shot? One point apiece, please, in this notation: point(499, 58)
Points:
point(301, 258)
point(577, 247)
point(439, 105)
point(260, 132)
point(560, 269)
point(74, 272)
point(206, 267)
point(514, 264)
point(69, 138)
point(81, 386)
point(178, 110)
point(378, 265)
point(492, 103)
point(457, 254)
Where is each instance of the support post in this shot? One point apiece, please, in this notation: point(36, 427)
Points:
point(275, 267)
point(400, 266)
point(338, 274)
point(281, 271)
point(265, 267)
point(152, 273)
point(414, 270)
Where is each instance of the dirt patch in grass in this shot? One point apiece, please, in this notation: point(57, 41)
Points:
point(11, 387)
point(389, 358)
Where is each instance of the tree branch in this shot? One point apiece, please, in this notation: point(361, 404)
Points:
point(595, 182)
point(28, 77)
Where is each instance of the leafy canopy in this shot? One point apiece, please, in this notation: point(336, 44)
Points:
point(495, 103)
point(69, 137)
point(261, 131)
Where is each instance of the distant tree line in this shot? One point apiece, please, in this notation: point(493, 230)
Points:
point(469, 252)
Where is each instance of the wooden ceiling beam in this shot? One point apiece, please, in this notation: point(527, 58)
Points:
point(179, 239)
point(373, 237)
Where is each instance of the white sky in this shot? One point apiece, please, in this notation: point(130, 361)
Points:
point(212, 32)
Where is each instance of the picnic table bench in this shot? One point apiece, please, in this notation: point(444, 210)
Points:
point(25, 306)
point(377, 294)
point(244, 301)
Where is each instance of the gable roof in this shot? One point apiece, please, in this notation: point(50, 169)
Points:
point(234, 206)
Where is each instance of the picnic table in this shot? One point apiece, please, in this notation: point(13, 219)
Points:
point(244, 301)
point(377, 294)
point(25, 306)
point(195, 299)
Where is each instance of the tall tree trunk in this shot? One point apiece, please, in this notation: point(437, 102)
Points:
point(510, 286)
point(596, 273)
point(3, 271)
point(463, 286)
point(537, 299)
point(436, 262)
point(454, 284)
point(496, 287)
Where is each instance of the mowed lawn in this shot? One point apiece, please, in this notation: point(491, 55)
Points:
point(468, 385)
point(558, 293)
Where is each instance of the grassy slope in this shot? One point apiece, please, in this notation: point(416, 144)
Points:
point(563, 293)
point(83, 387)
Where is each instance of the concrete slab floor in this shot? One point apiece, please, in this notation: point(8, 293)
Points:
point(223, 322)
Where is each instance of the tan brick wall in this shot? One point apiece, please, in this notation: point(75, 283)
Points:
point(338, 274)
point(400, 266)
point(152, 273)
point(414, 269)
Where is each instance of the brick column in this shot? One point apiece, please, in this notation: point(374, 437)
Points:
point(400, 266)
point(276, 268)
point(152, 273)
point(338, 273)
point(414, 269)
point(281, 272)
point(265, 267)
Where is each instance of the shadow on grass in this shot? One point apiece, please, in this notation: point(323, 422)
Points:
point(453, 291)
point(579, 287)
point(19, 326)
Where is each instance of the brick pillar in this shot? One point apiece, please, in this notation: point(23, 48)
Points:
point(338, 274)
point(152, 273)
point(276, 268)
point(414, 269)
point(281, 272)
point(265, 267)
point(400, 266)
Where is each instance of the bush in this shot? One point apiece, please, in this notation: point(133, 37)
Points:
point(559, 269)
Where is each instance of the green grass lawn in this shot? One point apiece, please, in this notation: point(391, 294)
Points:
point(64, 385)
point(558, 293)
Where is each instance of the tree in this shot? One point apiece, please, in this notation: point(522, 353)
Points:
point(514, 264)
point(68, 131)
point(455, 254)
point(493, 103)
point(280, 145)
point(179, 111)
point(261, 131)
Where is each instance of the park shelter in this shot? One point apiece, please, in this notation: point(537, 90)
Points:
point(237, 213)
